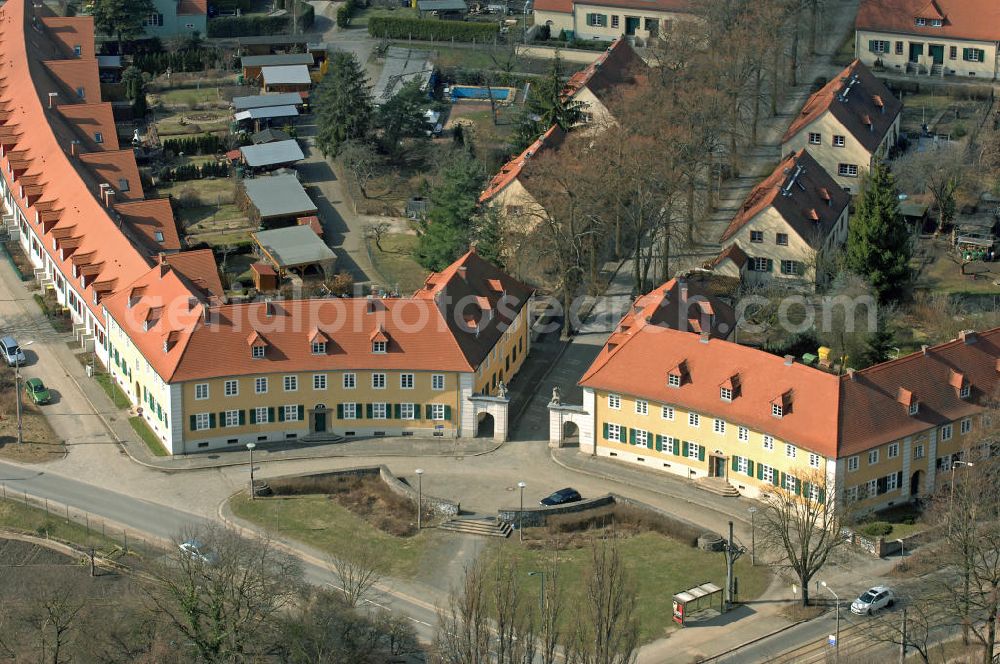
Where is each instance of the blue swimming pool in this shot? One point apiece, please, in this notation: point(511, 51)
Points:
point(477, 92)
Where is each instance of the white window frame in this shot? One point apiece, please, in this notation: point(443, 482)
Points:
point(767, 473)
point(642, 438)
point(946, 432)
point(814, 492)
point(873, 456)
point(437, 382)
point(719, 426)
point(350, 411)
point(725, 394)
point(380, 410)
point(319, 381)
point(743, 465)
point(290, 383)
point(641, 407)
point(202, 422)
point(918, 452)
point(379, 347)
point(260, 413)
point(694, 450)
point(814, 460)
point(815, 138)
point(437, 412)
point(914, 408)
point(694, 420)
point(839, 141)
point(853, 463)
point(790, 451)
point(790, 483)
point(231, 388)
point(743, 435)
point(350, 381)
point(257, 352)
point(378, 381)
point(777, 410)
point(965, 391)
point(201, 391)
point(669, 444)
point(891, 482)
point(892, 451)
point(768, 443)
point(614, 402)
point(407, 411)
point(406, 381)
point(318, 348)
point(291, 413)
point(667, 413)
point(614, 432)
point(231, 418)
point(260, 385)
point(966, 426)
point(847, 170)
point(673, 380)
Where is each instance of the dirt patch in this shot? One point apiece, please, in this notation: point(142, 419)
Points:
point(40, 442)
point(798, 613)
point(572, 531)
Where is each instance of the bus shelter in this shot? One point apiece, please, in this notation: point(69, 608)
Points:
point(695, 599)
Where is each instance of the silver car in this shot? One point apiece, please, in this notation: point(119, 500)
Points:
point(10, 351)
point(873, 600)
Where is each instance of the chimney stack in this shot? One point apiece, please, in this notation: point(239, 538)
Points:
point(74, 147)
point(850, 373)
point(51, 96)
point(789, 360)
point(705, 336)
point(462, 272)
point(968, 336)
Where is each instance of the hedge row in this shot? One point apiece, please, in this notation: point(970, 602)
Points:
point(392, 27)
point(190, 59)
point(194, 172)
point(248, 26)
point(204, 144)
point(346, 11)
point(464, 76)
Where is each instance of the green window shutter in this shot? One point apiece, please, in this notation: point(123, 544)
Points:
point(676, 447)
point(760, 471)
point(770, 265)
point(605, 431)
point(798, 486)
point(211, 420)
point(270, 414)
point(368, 411)
point(684, 449)
point(631, 437)
point(253, 416)
point(965, 54)
point(302, 412)
point(447, 413)
point(340, 411)
point(871, 45)
point(805, 489)
point(281, 414)
point(222, 418)
point(749, 468)
point(982, 55)
point(899, 479)
point(701, 453)
point(427, 412)
point(397, 411)
point(736, 463)
point(589, 21)
point(243, 417)
point(193, 422)
point(822, 495)
point(659, 443)
point(779, 480)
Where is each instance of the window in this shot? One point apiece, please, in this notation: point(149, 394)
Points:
point(878, 46)
point(319, 348)
point(743, 465)
point(792, 268)
point(201, 391)
point(319, 381)
point(641, 407)
point(814, 460)
point(291, 383)
point(839, 141)
point(257, 352)
point(670, 444)
point(914, 408)
point(667, 413)
point(153, 20)
point(201, 421)
point(936, 23)
point(789, 451)
point(965, 391)
point(767, 473)
point(614, 20)
point(743, 435)
point(378, 346)
point(719, 426)
point(378, 381)
point(597, 20)
point(291, 413)
point(379, 411)
point(614, 402)
point(921, 21)
point(98, 137)
point(693, 419)
point(851, 495)
point(777, 410)
point(768, 443)
point(725, 394)
point(406, 381)
point(232, 388)
point(891, 482)
point(966, 426)
point(674, 380)
point(781, 239)
point(946, 432)
point(847, 170)
point(232, 418)
point(757, 236)
point(918, 452)
point(814, 492)
point(953, 53)
point(871, 488)
point(350, 411)
point(872, 457)
point(350, 381)
point(77, 50)
point(899, 48)
point(407, 411)
point(260, 415)
point(852, 463)
point(260, 385)
point(790, 483)
point(815, 138)
point(641, 438)
point(893, 450)
point(760, 264)
point(437, 411)
point(158, 236)
point(437, 382)
point(694, 451)
point(81, 93)
point(615, 432)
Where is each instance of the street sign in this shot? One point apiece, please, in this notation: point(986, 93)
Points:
point(832, 640)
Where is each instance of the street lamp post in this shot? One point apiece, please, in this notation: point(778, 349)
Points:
point(520, 513)
point(902, 548)
point(836, 597)
point(251, 446)
point(420, 496)
point(753, 536)
point(541, 594)
point(951, 493)
point(17, 391)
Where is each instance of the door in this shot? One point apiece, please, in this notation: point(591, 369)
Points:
point(320, 421)
point(916, 50)
point(717, 468)
point(936, 51)
point(631, 25)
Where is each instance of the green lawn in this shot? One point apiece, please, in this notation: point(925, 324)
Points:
point(184, 96)
point(395, 262)
point(360, 18)
point(19, 517)
point(659, 567)
point(147, 436)
point(112, 390)
point(321, 522)
point(481, 58)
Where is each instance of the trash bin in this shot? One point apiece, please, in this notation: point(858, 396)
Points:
point(90, 371)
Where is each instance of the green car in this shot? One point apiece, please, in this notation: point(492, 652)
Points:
point(36, 390)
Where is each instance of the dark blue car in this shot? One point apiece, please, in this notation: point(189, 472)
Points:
point(561, 497)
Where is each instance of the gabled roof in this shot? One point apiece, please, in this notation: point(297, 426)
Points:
point(74, 75)
point(199, 268)
point(153, 221)
point(278, 60)
point(279, 195)
point(803, 193)
point(269, 135)
point(71, 32)
point(733, 253)
point(977, 20)
point(286, 75)
point(266, 100)
point(272, 154)
point(566, 6)
point(858, 100)
point(617, 66)
point(512, 169)
point(89, 120)
point(117, 168)
point(192, 7)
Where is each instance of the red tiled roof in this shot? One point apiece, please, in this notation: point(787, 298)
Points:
point(512, 169)
point(88, 119)
point(199, 268)
point(75, 74)
point(114, 166)
point(566, 6)
point(618, 65)
point(70, 32)
point(731, 252)
point(312, 222)
point(263, 269)
point(147, 218)
point(192, 7)
point(851, 97)
point(803, 193)
point(963, 19)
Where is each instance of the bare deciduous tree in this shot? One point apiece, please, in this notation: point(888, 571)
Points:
point(463, 633)
point(357, 576)
point(377, 232)
point(909, 628)
point(943, 172)
point(54, 618)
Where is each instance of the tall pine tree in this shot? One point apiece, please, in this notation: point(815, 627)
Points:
point(878, 243)
point(343, 105)
point(546, 106)
point(448, 228)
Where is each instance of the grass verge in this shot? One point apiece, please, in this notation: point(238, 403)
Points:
point(146, 434)
point(319, 521)
point(19, 517)
point(113, 391)
point(395, 262)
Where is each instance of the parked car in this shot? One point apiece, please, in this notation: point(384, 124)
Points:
point(561, 497)
point(36, 391)
point(196, 551)
point(873, 600)
point(10, 351)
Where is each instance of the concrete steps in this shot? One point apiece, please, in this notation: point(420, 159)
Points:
point(483, 527)
point(718, 486)
point(321, 438)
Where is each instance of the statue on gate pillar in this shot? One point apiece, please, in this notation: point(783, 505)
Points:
point(556, 397)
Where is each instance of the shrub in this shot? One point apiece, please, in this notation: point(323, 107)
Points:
point(204, 144)
point(875, 529)
point(624, 518)
point(346, 11)
point(245, 26)
point(959, 131)
point(392, 27)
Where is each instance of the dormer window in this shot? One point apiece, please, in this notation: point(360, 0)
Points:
point(921, 22)
point(257, 352)
point(965, 391)
point(81, 93)
point(319, 348)
point(777, 410)
point(379, 346)
point(936, 23)
point(158, 236)
point(77, 50)
point(674, 380)
point(725, 394)
point(122, 184)
point(98, 137)
point(678, 375)
point(914, 408)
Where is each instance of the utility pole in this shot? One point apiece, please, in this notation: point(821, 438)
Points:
point(902, 641)
point(17, 392)
point(733, 553)
point(92, 570)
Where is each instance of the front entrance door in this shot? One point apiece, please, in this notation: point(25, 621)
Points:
point(717, 466)
point(631, 25)
point(320, 420)
point(916, 50)
point(915, 484)
point(936, 51)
